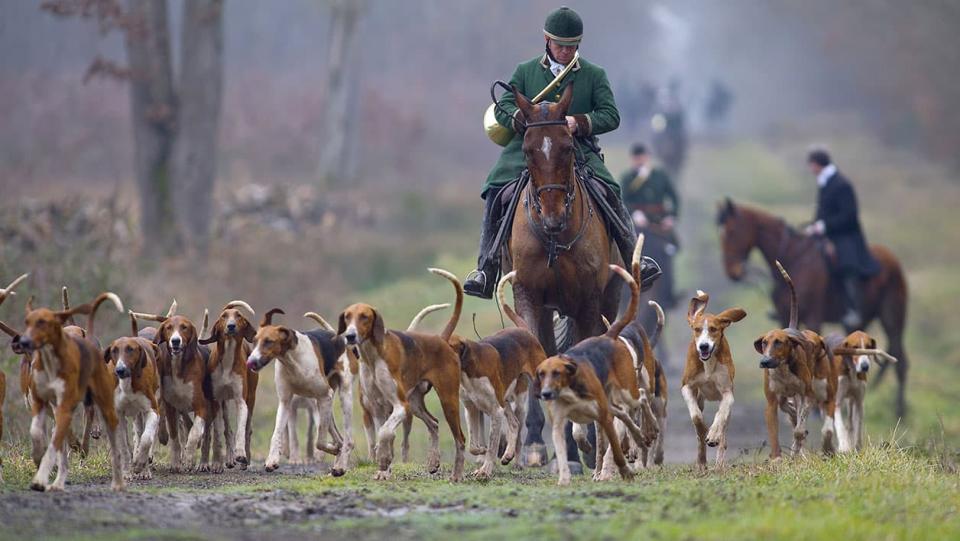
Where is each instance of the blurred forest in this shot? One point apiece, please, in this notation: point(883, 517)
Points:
point(418, 74)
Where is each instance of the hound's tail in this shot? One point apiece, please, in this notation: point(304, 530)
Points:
point(502, 299)
point(65, 303)
point(455, 317)
point(417, 319)
point(324, 324)
point(91, 309)
point(631, 312)
point(659, 330)
point(794, 309)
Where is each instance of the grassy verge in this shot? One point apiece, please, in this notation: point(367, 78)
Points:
point(883, 493)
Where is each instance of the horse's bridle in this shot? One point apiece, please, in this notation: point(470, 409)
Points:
point(548, 239)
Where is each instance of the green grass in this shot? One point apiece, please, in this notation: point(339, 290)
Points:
point(884, 493)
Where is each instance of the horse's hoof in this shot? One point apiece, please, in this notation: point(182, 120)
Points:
point(535, 455)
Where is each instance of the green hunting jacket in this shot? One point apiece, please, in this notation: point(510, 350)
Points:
point(656, 189)
point(593, 107)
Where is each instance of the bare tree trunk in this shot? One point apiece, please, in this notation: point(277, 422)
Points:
point(154, 111)
point(335, 152)
point(201, 90)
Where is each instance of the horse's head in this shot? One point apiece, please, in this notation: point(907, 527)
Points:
point(737, 238)
point(549, 149)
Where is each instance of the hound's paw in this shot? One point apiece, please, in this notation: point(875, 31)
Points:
point(271, 466)
point(483, 473)
point(714, 436)
point(118, 487)
point(39, 487)
point(144, 475)
point(216, 467)
point(337, 472)
point(563, 482)
point(242, 461)
point(381, 475)
point(477, 451)
point(626, 473)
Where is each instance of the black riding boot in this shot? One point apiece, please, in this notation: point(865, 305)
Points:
point(853, 295)
point(481, 282)
point(627, 240)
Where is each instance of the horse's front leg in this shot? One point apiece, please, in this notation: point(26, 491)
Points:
point(538, 319)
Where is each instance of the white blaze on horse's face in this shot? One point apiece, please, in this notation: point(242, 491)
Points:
point(545, 147)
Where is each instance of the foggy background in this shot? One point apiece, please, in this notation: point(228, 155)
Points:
point(422, 69)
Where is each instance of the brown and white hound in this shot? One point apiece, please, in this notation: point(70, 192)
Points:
point(308, 364)
point(137, 396)
point(495, 374)
point(595, 381)
point(233, 386)
point(851, 360)
point(185, 387)
point(394, 366)
point(709, 374)
point(798, 373)
point(65, 370)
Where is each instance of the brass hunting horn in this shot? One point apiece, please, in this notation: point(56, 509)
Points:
point(502, 135)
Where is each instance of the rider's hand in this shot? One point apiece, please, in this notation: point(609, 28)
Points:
point(816, 228)
point(572, 124)
point(639, 218)
point(667, 223)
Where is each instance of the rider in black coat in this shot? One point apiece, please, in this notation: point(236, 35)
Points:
point(838, 218)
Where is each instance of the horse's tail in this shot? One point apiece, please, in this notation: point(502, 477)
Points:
point(794, 310)
point(659, 330)
point(455, 317)
point(502, 299)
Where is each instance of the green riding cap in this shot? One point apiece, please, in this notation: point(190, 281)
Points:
point(564, 26)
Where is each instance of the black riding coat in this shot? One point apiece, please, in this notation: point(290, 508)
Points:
point(837, 208)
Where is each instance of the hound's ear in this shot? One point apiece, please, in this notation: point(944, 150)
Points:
point(106, 355)
point(342, 323)
point(141, 362)
point(565, 100)
point(571, 368)
point(523, 103)
point(729, 206)
point(291, 338)
point(697, 305)
point(216, 333)
point(731, 315)
point(378, 328)
point(158, 338)
point(156, 350)
point(758, 345)
point(873, 343)
point(249, 333)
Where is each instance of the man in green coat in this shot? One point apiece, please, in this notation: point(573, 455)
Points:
point(653, 203)
point(592, 112)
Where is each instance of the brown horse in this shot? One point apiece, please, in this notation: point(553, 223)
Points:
point(743, 228)
point(559, 246)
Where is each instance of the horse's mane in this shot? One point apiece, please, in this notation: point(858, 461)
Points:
point(761, 216)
